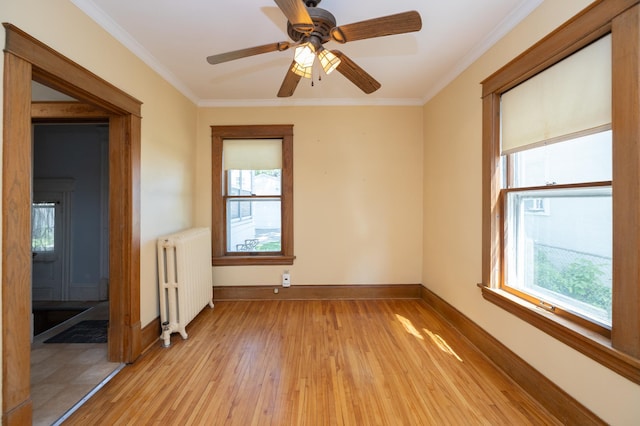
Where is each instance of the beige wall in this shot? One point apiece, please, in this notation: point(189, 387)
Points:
point(452, 226)
point(357, 193)
point(168, 124)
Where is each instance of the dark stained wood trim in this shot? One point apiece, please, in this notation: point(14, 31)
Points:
point(491, 178)
point(287, 194)
point(20, 415)
point(131, 149)
point(587, 26)
point(124, 242)
point(27, 59)
point(625, 330)
point(253, 131)
point(16, 241)
point(252, 260)
point(61, 111)
point(317, 292)
point(150, 334)
point(217, 204)
point(55, 70)
point(554, 399)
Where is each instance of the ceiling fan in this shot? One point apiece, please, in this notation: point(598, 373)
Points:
point(309, 27)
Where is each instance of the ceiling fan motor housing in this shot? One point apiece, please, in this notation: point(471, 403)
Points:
point(323, 22)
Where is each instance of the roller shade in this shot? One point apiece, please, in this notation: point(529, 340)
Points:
point(571, 98)
point(252, 154)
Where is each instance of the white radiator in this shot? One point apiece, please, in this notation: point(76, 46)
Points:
point(184, 278)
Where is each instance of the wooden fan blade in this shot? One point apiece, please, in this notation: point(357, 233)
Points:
point(355, 74)
point(400, 23)
point(297, 14)
point(290, 83)
point(250, 51)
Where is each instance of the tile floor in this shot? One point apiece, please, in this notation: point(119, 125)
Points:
point(63, 375)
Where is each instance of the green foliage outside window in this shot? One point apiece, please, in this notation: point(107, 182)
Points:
point(579, 280)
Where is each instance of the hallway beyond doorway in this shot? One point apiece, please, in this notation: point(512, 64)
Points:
point(62, 375)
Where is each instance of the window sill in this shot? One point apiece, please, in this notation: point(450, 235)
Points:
point(251, 260)
point(589, 343)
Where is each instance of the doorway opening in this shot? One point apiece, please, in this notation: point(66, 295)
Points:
point(27, 59)
point(69, 220)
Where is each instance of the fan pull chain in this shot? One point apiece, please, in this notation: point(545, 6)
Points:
point(319, 79)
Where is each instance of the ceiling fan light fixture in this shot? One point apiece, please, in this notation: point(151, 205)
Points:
point(305, 55)
point(309, 27)
point(305, 72)
point(328, 60)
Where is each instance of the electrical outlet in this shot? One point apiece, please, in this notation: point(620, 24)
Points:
point(286, 279)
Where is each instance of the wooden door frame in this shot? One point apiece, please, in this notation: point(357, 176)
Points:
point(28, 59)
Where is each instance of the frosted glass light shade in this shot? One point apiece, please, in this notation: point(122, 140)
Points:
point(305, 55)
point(328, 60)
point(301, 71)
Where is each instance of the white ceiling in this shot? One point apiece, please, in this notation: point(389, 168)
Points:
point(175, 37)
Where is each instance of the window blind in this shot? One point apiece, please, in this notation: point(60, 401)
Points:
point(569, 99)
point(252, 154)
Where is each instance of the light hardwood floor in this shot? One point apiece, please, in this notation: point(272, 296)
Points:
point(386, 362)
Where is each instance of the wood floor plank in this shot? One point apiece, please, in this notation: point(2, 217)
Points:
point(325, 362)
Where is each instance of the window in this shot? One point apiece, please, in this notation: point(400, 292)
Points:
point(558, 227)
point(561, 150)
point(43, 225)
point(534, 205)
point(50, 201)
point(556, 150)
point(253, 204)
point(252, 200)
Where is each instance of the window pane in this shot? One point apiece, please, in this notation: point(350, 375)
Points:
point(256, 228)
point(43, 220)
point(254, 182)
point(584, 159)
point(559, 245)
